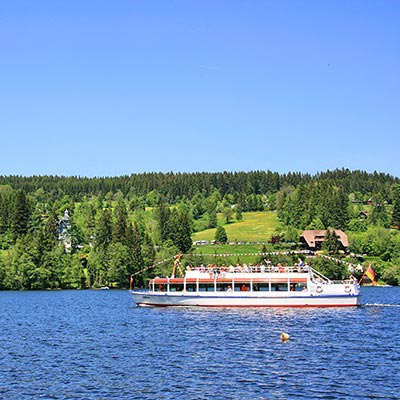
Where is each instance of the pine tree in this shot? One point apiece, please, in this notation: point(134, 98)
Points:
point(103, 230)
point(396, 214)
point(331, 244)
point(212, 218)
point(163, 218)
point(220, 235)
point(21, 213)
point(396, 207)
point(120, 226)
point(182, 236)
point(379, 215)
point(238, 213)
point(137, 257)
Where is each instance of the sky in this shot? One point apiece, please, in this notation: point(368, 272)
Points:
point(108, 88)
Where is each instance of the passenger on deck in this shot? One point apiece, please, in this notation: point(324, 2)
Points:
point(229, 289)
point(243, 288)
point(353, 278)
point(223, 271)
point(280, 267)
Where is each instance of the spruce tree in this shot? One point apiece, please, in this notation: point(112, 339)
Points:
point(103, 230)
point(120, 226)
point(331, 244)
point(396, 214)
point(21, 213)
point(220, 235)
point(212, 218)
point(379, 215)
point(163, 218)
point(395, 222)
point(183, 238)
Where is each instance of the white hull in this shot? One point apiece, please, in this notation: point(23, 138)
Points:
point(238, 299)
point(277, 287)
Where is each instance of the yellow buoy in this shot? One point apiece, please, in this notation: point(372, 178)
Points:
point(284, 337)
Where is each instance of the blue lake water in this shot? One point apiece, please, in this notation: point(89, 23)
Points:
point(98, 345)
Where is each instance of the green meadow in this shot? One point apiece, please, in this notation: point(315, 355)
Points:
point(254, 227)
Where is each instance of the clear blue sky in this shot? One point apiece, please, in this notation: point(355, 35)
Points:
point(107, 88)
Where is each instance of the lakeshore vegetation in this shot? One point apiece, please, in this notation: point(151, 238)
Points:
point(76, 232)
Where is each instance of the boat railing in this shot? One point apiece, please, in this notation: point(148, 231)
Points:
point(250, 269)
point(345, 281)
point(318, 276)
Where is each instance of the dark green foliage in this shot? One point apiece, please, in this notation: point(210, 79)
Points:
point(111, 234)
point(212, 218)
point(120, 225)
point(170, 186)
point(20, 213)
point(135, 246)
point(315, 201)
point(331, 244)
point(396, 207)
point(379, 215)
point(396, 214)
point(238, 213)
point(103, 230)
point(220, 235)
point(330, 268)
point(163, 215)
point(182, 237)
point(175, 226)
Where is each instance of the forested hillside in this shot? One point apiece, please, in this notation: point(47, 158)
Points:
point(76, 232)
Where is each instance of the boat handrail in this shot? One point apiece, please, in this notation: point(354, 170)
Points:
point(344, 282)
point(252, 269)
point(318, 275)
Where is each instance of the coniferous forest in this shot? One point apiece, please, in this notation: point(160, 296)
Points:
point(75, 232)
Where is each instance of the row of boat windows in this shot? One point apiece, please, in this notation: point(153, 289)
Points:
point(223, 287)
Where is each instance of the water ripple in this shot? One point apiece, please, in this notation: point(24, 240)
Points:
point(97, 345)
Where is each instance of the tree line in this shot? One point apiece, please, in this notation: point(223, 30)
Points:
point(73, 232)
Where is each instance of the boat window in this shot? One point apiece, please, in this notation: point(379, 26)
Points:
point(191, 287)
point(263, 287)
point(300, 287)
point(279, 287)
point(244, 288)
point(223, 287)
point(176, 287)
point(206, 287)
point(161, 287)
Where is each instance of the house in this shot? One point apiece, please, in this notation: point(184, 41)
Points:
point(64, 235)
point(314, 238)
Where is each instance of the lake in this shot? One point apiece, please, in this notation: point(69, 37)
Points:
point(98, 345)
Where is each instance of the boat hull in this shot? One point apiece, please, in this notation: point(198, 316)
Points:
point(143, 299)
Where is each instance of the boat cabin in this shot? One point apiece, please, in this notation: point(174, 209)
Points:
point(196, 281)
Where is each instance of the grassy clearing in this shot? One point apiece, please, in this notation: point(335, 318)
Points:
point(255, 227)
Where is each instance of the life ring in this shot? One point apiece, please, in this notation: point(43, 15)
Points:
point(319, 289)
point(347, 289)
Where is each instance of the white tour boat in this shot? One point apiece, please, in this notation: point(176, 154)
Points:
point(257, 286)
